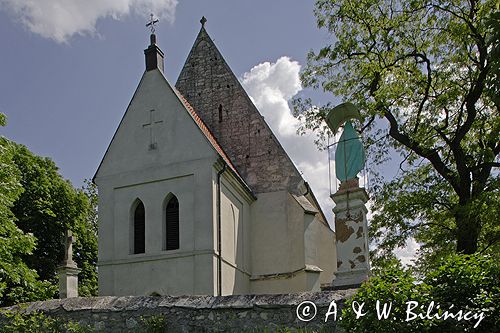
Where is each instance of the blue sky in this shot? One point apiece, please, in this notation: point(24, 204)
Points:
point(69, 69)
point(64, 99)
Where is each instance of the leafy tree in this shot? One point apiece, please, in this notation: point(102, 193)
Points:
point(17, 281)
point(85, 250)
point(36, 206)
point(468, 282)
point(426, 77)
point(47, 207)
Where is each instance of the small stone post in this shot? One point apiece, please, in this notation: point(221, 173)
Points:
point(68, 271)
point(351, 230)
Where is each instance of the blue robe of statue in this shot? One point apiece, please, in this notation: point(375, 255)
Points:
point(350, 154)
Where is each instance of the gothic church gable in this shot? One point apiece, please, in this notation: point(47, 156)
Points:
point(156, 130)
point(210, 86)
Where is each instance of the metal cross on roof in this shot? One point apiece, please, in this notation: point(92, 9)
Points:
point(152, 23)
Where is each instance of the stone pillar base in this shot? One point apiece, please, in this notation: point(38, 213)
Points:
point(350, 279)
point(68, 281)
point(351, 233)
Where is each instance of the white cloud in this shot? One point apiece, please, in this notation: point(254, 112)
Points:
point(408, 253)
point(271, 86)
point(61, 19)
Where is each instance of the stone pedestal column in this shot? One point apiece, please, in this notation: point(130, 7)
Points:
point(68, 280)
point(351, 230)
point(68, 271)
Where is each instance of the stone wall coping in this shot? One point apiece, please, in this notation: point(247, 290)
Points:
point(134, 303)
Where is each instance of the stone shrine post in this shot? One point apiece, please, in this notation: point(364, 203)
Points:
point(68, 270)
point(351, 228)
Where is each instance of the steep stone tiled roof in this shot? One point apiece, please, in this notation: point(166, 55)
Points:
point(211, 87)
point(213, 141)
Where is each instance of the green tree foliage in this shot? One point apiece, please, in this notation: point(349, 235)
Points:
point(85, 249)
point(462, 282)
point(425, 75)
point(38, 322)
point(36, 206)
point(47, 207)
point(17, 281)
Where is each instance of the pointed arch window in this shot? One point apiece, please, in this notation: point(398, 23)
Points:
point(139, 228)
point(172, 224)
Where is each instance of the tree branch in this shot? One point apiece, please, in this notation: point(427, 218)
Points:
point(490, 243)
point(427, 88)
point(430, 154)
point(372, 118)
point(439, 225)
point(487, 164)
point(403, 161)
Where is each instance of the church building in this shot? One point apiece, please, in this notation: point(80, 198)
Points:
point(198, 197)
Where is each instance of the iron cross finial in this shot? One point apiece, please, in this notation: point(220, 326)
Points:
point(203, 21)
point(152, 23)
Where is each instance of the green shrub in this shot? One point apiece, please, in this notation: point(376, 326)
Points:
point(37, 322)
point(460, 282)
point(153, 324)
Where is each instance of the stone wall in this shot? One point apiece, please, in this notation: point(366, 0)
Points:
point(251, 313)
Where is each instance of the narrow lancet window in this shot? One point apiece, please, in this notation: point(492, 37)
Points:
point(139, 228)
point(220, 113)
point(172, 224)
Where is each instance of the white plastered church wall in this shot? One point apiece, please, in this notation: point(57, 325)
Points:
point(320, 250)
point(235, 232)
point(286, 242)
point(181, 164)
point(274, 243)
